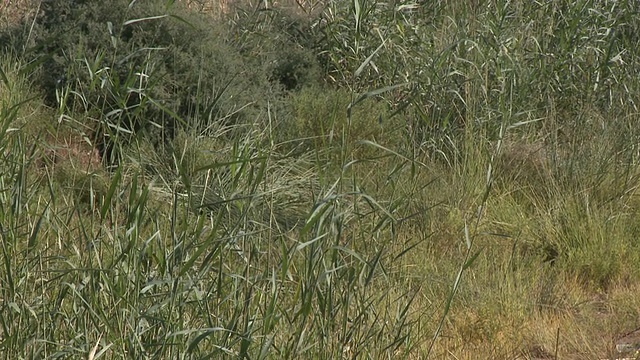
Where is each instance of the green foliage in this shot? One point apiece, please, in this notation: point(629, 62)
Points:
point(144, 68)
point(371, 180)
point(320, 121)
point(284, 44)
point(488, 65)
point(230, 250)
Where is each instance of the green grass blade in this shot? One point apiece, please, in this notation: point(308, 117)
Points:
point(372, 93)
point(33, 237)
point(368, 59)
point(108, 199)
point(4, 79)
point(149, 18)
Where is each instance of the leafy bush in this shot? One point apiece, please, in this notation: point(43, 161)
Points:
point(143, 69)
point(285, 42)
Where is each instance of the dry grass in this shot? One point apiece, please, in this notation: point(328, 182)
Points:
point(74, 151)
point(13, 11)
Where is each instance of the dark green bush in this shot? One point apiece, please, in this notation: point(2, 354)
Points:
point(287, 44)
point(145, 69)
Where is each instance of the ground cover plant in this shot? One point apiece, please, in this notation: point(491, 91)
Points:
point(318, 179)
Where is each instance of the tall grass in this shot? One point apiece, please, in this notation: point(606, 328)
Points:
point(193, 258)
point(428, 180)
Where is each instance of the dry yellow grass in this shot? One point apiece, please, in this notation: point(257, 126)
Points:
point(12, 11)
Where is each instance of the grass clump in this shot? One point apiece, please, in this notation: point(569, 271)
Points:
point(319, 120)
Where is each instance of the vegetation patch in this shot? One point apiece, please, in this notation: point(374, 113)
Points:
point(318, 179)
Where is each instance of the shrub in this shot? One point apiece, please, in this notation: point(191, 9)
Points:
point(285, 42)
point(143, 69)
